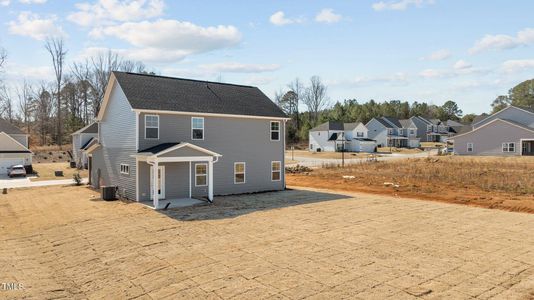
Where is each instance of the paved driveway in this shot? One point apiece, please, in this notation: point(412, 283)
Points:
point(60, 242)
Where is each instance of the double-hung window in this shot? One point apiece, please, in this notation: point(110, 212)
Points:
point(508, 147)
point(275, 130)
point(125, 169)
point(359, 134)
point(469, 147)
point(151, 127)
point(412, 131)
point(276, 171)
point(201, 174)
point(197, 128)
point(239, 172)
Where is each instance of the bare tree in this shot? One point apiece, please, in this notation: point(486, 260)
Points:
point(294, 98)
point(315, 98)
point(55, 47)
point(83, 73)
point(103, 64)
point(44, 105)
point(3, 57)
point(6, 105)
point(26, 105)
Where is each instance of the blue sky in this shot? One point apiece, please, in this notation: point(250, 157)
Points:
point(414, 50)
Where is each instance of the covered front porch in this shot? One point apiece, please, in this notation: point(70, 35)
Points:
point(174, 175)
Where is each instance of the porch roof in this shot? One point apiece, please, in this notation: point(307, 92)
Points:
point(166, 148)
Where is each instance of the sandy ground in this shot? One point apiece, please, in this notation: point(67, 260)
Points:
point(59, 242)
point(45, 171)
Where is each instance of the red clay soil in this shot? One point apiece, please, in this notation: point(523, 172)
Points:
point(466, 195)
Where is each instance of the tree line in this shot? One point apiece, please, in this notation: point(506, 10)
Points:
point(51, 111)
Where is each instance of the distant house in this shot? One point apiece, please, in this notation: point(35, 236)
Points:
point(82, 140)
point(13, 147)
point(336, 136)
point(509, 132)
point(388, 131)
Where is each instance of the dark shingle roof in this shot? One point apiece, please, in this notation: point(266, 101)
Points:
point(384, 122)
point(350, 126)
point(9, 128)
point(330, 125)
point(158, 148)
point(187, 95)
point(85, 146)
point(93, 128)
point(479, 118)
point(394, 121)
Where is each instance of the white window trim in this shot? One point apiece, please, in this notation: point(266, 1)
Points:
point(152, 127)
point(197, 175)
point(192, 128)
point(271, 130)
point(506, 147)
point(272, 170)
point(401, 131)
point(244, 172)
point(125, 169)
point(472, 147)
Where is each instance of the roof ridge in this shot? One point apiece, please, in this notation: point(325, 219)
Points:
point(185, 79)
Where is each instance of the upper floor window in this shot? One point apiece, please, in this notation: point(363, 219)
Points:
point(151, 127)
point(429, 127)
point(390, 130)
point(197, 128)
point(401, 131)
point(412, 131)
point(125, 169)
point(359, 134)
point(275, 130)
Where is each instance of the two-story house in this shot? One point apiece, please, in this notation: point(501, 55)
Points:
point(392, 132)
point(337, 136)
point(170, 138)
point(82, 140)
point(13, 147)
point(508, 132)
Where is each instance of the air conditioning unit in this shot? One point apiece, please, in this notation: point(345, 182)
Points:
point(109, 193)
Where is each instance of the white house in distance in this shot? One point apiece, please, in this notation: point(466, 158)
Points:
point(82, 140)
point(336, 136)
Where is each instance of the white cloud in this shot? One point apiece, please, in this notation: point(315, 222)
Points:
point(32, 1)
point(17, 72)
point(235, 67)
point(106, 12)
point(434, 73)
point(462, 65)
point(503, 41)
point(400, 4)
point(279, 19)
point(5, 2)
point(399, 78)
point(441, 54)
point(32, 25)
point(517, 65)
point(327, 15)
point(259, 80)
point(169, 40)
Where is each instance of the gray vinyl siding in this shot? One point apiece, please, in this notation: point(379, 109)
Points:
point(117, 137)
point(21, 138)
point(510, 113)
point(488, 140)
point(236, 139)
point(377, 132)
point(76, 147)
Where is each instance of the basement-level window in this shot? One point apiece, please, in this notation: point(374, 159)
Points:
point(276, 171)
point(469, 147)
point(239, 172)
point(125, 169)
point(508, 147)
point(201, 174)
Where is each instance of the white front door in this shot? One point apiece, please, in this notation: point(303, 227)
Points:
point(160, 183)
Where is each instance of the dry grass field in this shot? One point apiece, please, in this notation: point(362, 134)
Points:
point(45, 171)
point(492, 182)
point(398, 150)
point(324, 155)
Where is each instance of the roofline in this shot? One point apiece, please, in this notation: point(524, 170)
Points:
point(186, 79)
point(509, 106)
point(82, 129)
point(491, 122)
point(172, 112)
point(14, 140)
point(111, 82)
point(181, 145)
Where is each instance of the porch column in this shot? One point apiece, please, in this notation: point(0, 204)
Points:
point(210, 180)
point(155, 196)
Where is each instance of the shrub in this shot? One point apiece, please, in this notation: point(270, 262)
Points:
point(77, 178)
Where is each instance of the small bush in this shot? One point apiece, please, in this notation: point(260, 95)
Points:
point(298, 169)
point(77, 178)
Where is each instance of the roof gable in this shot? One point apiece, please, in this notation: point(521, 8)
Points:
point(91, 128)
point(516, 124)
point(9, 144)
point(9, 128)
point(150, 92)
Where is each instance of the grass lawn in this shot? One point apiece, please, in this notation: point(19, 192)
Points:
point(493, 182)
point(45, 171)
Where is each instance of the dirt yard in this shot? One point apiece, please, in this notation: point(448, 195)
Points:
point(45, 171)
point(491, 182)
point(322, 155)
point(51, 154)
point(60, 242)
